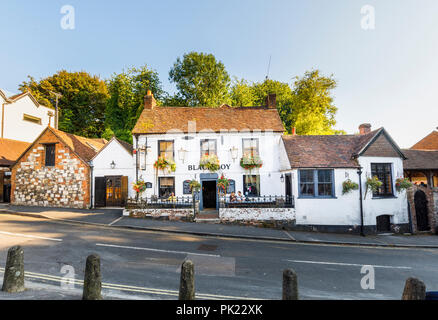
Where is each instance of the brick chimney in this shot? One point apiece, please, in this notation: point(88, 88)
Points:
point(365, 128)
point(149, 100)
point(271, 101)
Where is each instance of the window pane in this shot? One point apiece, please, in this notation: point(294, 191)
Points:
point(166, 149)
point(50, 155)
point(324, 176)
point(383, 172)
point(166, 187)
point(325, 189)
point(307, 189)
point(306, 176)
point(250, 146)
point(251, 185)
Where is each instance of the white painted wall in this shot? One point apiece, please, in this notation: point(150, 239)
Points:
point(345, 209)
point(269, 144)
point(18, 129)
point(125, 164)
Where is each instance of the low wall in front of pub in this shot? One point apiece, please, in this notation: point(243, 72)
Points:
point(283, 218)
point(183, 214)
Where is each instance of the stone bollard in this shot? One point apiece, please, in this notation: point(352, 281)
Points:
point(187, 282)
point(13, 279)
point(290, 285)
point(414, 290)
point(92, 280)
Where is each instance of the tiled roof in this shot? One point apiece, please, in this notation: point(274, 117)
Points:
point(86, 148)
point(420, 159)
point(10, 150)
point(326, 151)
point(430, 142)
point(165, 119)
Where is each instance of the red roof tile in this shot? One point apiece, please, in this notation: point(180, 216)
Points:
point(10, 150)
point(430, 142)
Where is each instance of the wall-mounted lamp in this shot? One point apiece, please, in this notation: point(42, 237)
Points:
point(282, 178)
point(113, 164)
point(182, 154)
point(233, 151)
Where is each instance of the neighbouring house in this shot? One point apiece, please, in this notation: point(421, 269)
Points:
point(10, 150)
point(23, 118)
point(113, 172)
point(317, 167)
point(54, 171)
point(422, 163)
point(174, 145)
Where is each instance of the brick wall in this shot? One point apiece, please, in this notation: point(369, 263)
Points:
point(381, 148)
point(64, 185)
point(432, 207)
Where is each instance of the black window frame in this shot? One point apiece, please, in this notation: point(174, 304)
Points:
point(159, 187)
point(382, 174)
point(208, 141)
point(173, 148)
point(46, 157)
point(245, 185)
point(257, 147)
point(315, 182)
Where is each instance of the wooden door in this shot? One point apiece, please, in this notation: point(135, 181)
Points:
point(113, 191)
point(99, 191)
point(124, 190)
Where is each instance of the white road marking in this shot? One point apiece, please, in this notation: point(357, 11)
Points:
point(118, 219)
point(348, 264)
point(121, 287)
point(289, 235)
point(28, 236)
point(156, 250)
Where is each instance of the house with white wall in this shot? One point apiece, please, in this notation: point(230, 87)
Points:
point(317, 166)
point(113, 172)
point(22, 117)
point(184, 135)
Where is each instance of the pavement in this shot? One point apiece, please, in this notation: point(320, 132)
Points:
point(113, 218)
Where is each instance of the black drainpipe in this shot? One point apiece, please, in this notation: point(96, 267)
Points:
point(136, 158)
point(359, 172)
point(91, 186)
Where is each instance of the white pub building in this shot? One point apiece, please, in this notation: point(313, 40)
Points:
point(185, 136)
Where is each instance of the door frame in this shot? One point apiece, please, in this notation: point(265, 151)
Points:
point(207, 177)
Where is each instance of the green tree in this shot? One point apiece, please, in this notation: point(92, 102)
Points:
point(127, 90)
point(200, 79)
point(241, 93)
point(82, 105)
point(312, 104)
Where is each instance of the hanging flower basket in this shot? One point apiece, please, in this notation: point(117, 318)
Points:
point(249, 162)
point(223, 184)
point(373, 184)
point(402, 184)
point(195, 186)
point(139, 186)
point(210, 162)
point(348, 186)
point(165, 164)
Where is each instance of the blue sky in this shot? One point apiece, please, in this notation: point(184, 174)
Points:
point(386, 76)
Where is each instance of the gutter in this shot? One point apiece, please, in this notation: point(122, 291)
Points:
point(91, 185)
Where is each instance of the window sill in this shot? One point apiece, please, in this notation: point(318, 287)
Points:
point(383, 197)
point(304, 197)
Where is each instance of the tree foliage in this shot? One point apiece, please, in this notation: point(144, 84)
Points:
point(127, 90)
point(307, 105)
point(82, 105)
point(200, 79)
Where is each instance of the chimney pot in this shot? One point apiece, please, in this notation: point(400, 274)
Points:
point(365, 128)
point(294, 131)
point(149, 100)
point(271, 101)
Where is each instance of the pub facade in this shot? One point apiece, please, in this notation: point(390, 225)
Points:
point(204, 144)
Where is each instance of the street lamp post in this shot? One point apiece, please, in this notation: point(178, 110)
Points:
point(359, 172)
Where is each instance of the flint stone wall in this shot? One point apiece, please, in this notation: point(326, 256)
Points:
point(64, 185)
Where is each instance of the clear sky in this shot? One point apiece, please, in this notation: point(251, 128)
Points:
point(387, 76)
